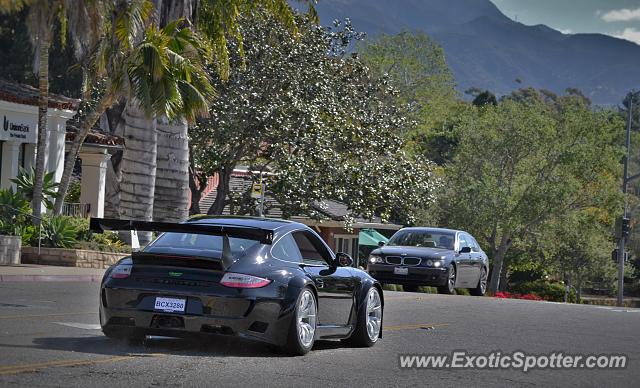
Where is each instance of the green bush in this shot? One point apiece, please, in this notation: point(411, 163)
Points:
point(73, 193)
point(14, 212)
point(58, 232)
point(25, 182)
point(547, 290)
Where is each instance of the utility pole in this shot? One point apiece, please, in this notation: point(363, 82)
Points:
point(624, 230)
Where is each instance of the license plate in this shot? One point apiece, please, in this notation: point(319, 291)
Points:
point(401, 271)
point(170, 305)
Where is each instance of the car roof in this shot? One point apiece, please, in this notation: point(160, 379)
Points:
point(246, 221)
point(427, 228)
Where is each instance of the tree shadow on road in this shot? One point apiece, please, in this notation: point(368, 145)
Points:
point(212, 346)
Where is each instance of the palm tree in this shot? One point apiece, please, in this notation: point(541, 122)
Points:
point(160, 72)
point(82, 20)
point(217, 21)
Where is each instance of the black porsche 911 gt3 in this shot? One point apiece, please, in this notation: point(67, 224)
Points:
point(264, 279)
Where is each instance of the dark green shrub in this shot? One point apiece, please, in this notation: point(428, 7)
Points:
point(58, 232)
point(26, 180)
point(14, 212)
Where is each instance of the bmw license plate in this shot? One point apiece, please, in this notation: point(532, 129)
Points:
point(170, 305)
point(400, 271)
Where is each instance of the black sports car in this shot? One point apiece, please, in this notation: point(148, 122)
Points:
point(443, 258)
point(269, 280)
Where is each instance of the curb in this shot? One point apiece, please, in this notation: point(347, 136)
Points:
point(51, 278)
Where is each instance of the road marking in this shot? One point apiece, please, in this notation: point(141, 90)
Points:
point(425, 326)
point(85, 326)
point(47, 315)
point(404, 298)
point(13, 369)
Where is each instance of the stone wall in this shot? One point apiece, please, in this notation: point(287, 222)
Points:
point(10, 249)
point(70, 257)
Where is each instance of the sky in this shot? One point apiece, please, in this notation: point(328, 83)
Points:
point(620, 18)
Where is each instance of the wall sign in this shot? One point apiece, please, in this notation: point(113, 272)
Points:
point(18, 127)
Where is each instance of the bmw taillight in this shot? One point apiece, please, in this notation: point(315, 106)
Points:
point(239, 280)
point(121, 271)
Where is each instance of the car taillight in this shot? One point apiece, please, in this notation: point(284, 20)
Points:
point(121, 271)
point(239, 280)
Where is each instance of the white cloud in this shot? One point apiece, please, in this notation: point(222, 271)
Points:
point(629, 34)
point(621, 15)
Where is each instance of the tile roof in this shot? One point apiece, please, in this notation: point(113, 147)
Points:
point(28, 95)
point(95, 136)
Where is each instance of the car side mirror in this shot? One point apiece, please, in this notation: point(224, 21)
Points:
point(465, 250)
point(343, 260)
point(380, 244)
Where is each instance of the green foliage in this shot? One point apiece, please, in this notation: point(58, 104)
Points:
point(547, 290)
point(104, 242)
point(73, 194)
point(529, 161)
point(14, 212)
point(323, 122)
point(59, 232)
point(416, 66)
point(26, 180)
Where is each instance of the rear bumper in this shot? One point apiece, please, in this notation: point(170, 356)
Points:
point(417, 276)
point(261, 314)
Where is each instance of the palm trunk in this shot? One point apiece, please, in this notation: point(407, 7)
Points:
point(69, 163)
point(196, 187)
point(43, 105)
point(138, 167)
point(221, 191)
point(171, 202)
point(498, 260)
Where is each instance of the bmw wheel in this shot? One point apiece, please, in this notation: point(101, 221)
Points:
point(303, 326)
point(450, 287)
point(482, 284)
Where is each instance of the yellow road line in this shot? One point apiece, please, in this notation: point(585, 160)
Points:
point(13, 369)
point(414, 326)
point(47, 315)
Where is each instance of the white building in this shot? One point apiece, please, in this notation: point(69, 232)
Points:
point(19, 134)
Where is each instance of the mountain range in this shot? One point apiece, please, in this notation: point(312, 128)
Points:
point(486, 49)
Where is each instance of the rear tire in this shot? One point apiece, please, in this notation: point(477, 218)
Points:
point(481, 288)
point(450, 287)
point(369, 325)
point(301, 336)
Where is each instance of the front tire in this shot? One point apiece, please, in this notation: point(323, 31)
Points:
point(369, 322)
point(481, 289)
point(303, 325)
point(450, 287)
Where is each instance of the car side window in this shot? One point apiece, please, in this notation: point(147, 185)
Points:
point(473, 243)
point(286, 249)
point(462, 241)
point(312, 250)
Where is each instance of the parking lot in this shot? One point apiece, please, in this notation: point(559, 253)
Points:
point(49, 336)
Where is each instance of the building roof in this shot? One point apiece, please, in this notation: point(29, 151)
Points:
point(332, 211)
point(95, 136)
point(28, 95)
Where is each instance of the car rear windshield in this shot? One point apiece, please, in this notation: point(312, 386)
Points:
point(423, 238)
point(198, 245)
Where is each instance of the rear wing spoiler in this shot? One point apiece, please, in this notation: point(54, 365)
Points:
point(264, 236)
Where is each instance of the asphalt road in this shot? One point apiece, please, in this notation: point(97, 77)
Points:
point(49, 336)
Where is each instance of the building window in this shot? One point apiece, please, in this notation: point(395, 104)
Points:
point(347, 243)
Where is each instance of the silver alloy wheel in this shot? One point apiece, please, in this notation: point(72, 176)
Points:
point(374, 314)
point(483, 280)
point(306, 318)
point(452, 279)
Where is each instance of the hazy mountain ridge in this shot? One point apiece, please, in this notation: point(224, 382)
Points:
point(488, 50)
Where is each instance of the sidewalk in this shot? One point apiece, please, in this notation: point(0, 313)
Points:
point(48, 273)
